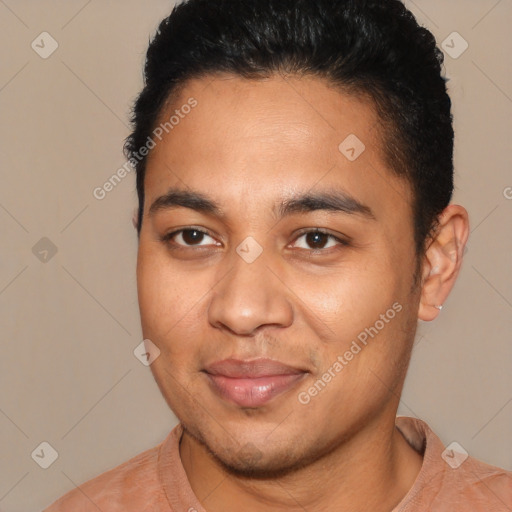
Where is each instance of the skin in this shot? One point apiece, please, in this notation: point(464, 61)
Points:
point(249, 145)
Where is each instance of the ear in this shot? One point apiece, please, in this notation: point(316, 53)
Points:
point(442, 260)
point(135, 218)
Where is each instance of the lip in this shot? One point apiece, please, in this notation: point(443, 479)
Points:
point(251, 369)
point(252, 383)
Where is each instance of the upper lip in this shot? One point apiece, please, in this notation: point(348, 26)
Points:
point(254, 368)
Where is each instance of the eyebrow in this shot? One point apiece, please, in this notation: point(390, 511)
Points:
point(332, 201)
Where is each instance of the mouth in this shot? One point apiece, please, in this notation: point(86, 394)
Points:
point(252, 383)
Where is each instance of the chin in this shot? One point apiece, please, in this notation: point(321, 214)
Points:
point(249, 461)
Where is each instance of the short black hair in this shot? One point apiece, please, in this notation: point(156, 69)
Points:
point(369, 48)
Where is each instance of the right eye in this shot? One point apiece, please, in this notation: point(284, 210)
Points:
point(187, 237)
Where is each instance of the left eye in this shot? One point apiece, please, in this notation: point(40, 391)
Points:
point(319, 240)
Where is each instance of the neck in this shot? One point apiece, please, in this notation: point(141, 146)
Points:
point(372, 471)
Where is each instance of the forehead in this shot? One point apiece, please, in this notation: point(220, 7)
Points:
point(251, 138)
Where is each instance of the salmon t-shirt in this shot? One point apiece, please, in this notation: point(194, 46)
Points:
point(155, 481)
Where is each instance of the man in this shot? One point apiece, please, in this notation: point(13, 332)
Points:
point(294, 170)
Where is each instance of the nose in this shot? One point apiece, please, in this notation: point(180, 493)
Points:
point(250, 296)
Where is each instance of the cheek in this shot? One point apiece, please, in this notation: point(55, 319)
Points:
point(347, 300)
point(359, 314)
point(169, 300)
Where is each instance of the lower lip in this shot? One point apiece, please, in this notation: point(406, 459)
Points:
point(253, 392)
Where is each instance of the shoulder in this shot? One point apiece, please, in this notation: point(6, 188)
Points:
point(484, 487)
point(473, 485)
point(450, 479)
point(132, 485)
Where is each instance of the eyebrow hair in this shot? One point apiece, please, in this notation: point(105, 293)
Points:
point(337, 202)
point(175, 198)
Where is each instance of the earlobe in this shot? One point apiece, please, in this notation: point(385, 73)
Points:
point(443, 260)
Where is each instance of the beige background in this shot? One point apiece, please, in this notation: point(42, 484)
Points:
point(69, 325)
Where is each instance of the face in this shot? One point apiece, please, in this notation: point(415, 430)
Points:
point(264, 239)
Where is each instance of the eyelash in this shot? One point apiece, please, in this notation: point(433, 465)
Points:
point(168, 237)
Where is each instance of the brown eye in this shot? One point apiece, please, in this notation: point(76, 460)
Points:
point(192, 236)
point(189, 237)
point(317, 240)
